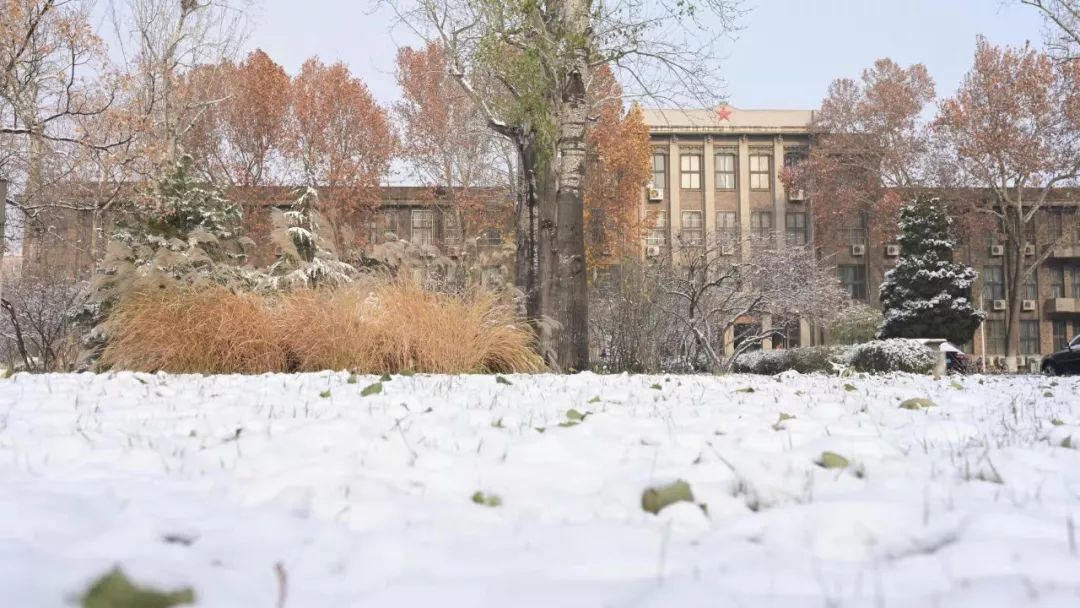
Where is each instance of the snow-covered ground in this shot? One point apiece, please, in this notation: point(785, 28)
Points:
point(215, 482)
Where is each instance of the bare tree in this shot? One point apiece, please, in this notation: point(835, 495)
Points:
point(542, 55)
point(161, 41)
point(36, 326)
point(712, 288)
point(1063, 25)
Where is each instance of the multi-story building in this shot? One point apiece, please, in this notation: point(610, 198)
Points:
point(717, 171)
point(73, 234)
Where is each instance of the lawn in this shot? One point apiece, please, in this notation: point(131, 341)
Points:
point(325, 490)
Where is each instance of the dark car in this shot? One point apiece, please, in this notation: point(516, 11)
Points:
point(1064, 361)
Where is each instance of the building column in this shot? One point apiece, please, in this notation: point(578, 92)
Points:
point(779, 191)
point(766, 325)
point(674, 207)
point(744, 191)
point(708, 166)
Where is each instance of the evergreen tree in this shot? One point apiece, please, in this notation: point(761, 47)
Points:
point(927, 295)
point(305, 239)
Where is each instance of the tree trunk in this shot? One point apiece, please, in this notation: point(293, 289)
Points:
point(1014, 265)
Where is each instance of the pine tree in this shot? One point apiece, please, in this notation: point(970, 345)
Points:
point(927, 295)
point(305, 238)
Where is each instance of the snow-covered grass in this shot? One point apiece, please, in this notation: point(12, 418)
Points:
point(222, 483)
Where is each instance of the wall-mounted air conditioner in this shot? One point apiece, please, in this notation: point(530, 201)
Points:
point(1028, 305)
point(1000, 361)
point(858, 250)
point(892, 251)
point(999, 304)
point(1029, 249)
point(652, 251)
point(655, 194)
point(797, 196)
point(1021, 362)
point(997, 250)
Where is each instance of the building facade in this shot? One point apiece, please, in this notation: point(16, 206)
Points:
point(717, 171)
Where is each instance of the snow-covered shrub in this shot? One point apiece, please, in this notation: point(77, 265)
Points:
point(805, 360)
point(895, 355)
point(629, 327)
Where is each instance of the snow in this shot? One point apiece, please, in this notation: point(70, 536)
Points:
point(365, 501)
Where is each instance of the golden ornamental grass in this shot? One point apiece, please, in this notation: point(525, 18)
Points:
point(206, 329)
point(366, 327)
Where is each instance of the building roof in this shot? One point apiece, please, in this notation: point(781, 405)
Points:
point(727, 119)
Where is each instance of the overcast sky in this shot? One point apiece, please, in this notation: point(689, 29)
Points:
point(785, 56)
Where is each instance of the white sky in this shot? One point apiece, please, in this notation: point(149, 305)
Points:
point(785, 56)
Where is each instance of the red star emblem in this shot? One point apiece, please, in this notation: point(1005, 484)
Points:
point(723, 113)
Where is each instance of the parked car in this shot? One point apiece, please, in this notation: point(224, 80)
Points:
point(1064, 361)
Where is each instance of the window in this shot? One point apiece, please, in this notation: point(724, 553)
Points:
point(492, 237)
point(659, 171)
point(423, 227)
point(692, 230)
point(854, 232)
point(995, 337)
point(747, 332)
point(790, 332)
point(1031, 290)
point(387, 221)
point(761, 224)
point(792, 158)
point(993, 283)
point(853, 280)
point(1057, 281)
point(1029, 337)
point(690, 171)
point(451, 230)
point(796, 228)
point(725, 171)
point(1075, 277)
point(759, 172)
point(1060, 334)
point(727, 230)
point(658, 231)
point(1061, 221)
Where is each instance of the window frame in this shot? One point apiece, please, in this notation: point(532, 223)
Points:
point(1029, 344)
point(993, 290)
point(685, 230)
point(661, 171)
point(733, 173)
point(420, 214)
point(762, 232)
point(854, 286)
point(758, 173)
point(801, 233)
point(694, 175)
point(659, 227)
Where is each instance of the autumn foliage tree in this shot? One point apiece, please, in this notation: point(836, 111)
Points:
point(1013, 129)
point(339, 141)
point(446, 142)
point(619, 166)
point(870, 143)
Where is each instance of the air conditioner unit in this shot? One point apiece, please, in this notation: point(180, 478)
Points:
point(999, 304)
point(797, 196)
point(892, 251)
point(652, 251)
point(1000, 361)
point(858, 250)
point(727, 249)
point(1021, 362)
point(655, 194)
point(1029, 249)
point(1028, 305)
point(997, 250)
point(1034, 363)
